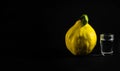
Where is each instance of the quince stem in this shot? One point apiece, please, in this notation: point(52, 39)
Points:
point(84, 19)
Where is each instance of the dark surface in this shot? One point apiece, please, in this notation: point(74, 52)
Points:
point(85, 63)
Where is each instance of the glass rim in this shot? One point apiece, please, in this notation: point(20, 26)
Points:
point(106, 34)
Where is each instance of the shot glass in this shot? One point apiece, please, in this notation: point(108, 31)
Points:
point(106, 44)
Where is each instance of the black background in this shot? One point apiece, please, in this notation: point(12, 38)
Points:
point(34, 32)
point(103, 17)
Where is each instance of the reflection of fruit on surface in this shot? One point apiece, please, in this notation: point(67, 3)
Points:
point(81, 38)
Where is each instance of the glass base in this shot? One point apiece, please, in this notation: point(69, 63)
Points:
point(107, 53)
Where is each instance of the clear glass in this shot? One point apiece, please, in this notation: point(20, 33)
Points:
point(106, 44)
